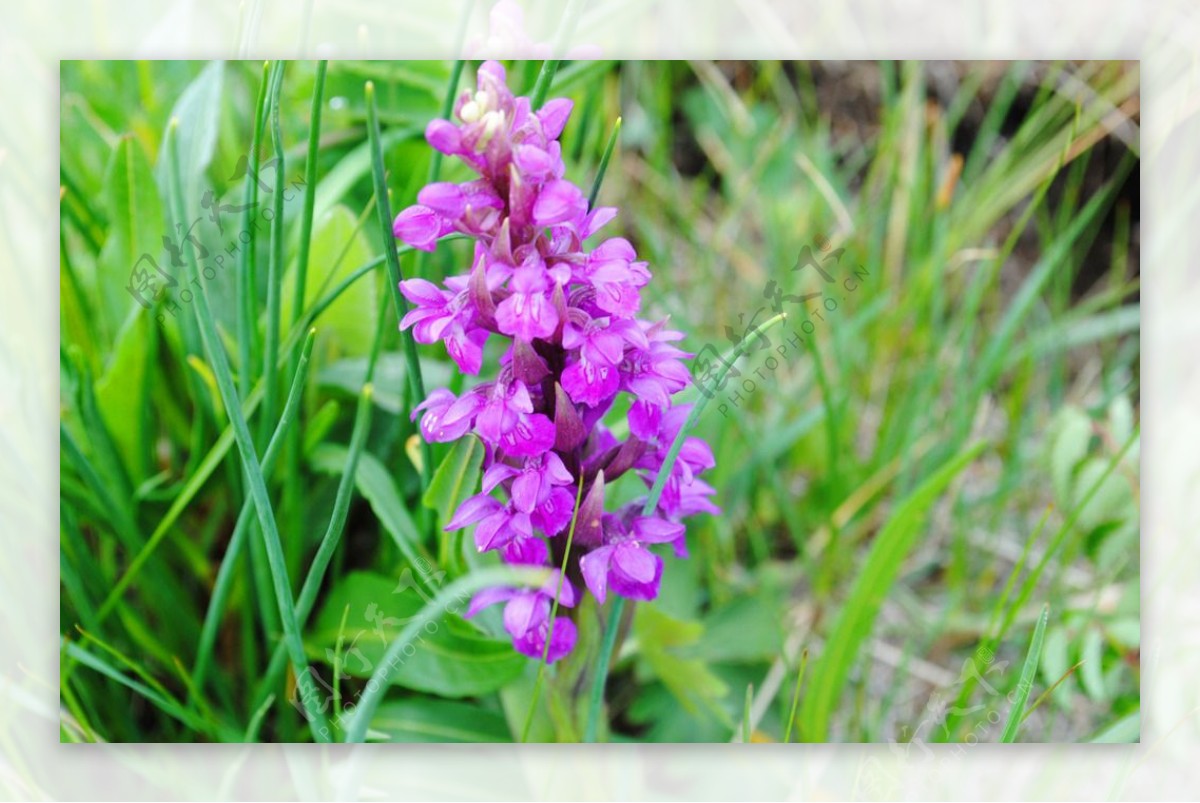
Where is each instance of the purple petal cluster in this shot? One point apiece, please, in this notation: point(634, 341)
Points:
point(568, 316)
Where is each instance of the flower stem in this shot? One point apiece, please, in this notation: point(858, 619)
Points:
point(660, 481)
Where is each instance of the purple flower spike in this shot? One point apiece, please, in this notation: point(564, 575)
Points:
point(575, 344)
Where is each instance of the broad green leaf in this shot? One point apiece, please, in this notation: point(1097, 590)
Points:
point(338, 249)
point(1091, 673)
point(1056, 660)
point(135, 234)
point(450, 658)
point(455, 479)
point(1113, 501)
point(1126, 730)
point(431, 720)
point(390, 381)
point(375, 484)
point(854, 623)
point(1072, 432)
point(663, 640)
point(748, 629)
point(121, 394)
point(198, 111)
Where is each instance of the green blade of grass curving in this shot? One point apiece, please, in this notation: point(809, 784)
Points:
point(257, 485)
point(603, 167)
point(383, 206)
point(596, 701)
point(225, 574)
point(310, 187)
point(275, 267)
point(456, 592)
point(857, 617)
point(787, 735)
point(1016, 713)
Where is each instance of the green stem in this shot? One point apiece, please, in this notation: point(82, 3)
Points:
point(246, 329)
point(614, 619)
point(293, 493)
point(384, 208)
point(562, 575)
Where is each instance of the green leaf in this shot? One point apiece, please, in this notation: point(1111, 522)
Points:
point(431, 720)
point(349, 373)
point(450, 657)
point(375, 484)
point(136, 228)
point(747, 629)
point(857, 617)
point(1091, 673)
point(121, 394)
point(338, 248)
point(455, 479)
point(1056, 660)
point(1071, 435)
point(198, 111)
point(1127, 730)
point(1112, 501)
point(664, 641)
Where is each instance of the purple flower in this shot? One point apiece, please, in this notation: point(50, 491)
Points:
point(445, 315)
point(507, 421)
point(575, 344)
point(623, 562)
point(528, 313)
point(527, 617)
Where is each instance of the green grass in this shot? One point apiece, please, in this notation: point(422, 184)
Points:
point(907, 479)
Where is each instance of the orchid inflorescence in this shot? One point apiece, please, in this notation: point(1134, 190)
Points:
point(576, 344)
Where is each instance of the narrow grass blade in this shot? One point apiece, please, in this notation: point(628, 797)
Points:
point(787, 735)
point(337, 519)
point(603, 168)
point(246, 330)
point(1021, 695)
point(275, 267)
point(384, 207)
point(257, 485)
point(225, 574)
point(330, 541)
point(562, 575)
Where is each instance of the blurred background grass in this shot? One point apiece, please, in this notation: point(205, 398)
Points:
point(985, 297)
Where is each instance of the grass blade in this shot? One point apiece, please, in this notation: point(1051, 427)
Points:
point(384, 207)
point(246, 330)
point(1016, 713)
point(872, 584)
point(460, 589)
point(225, 574)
